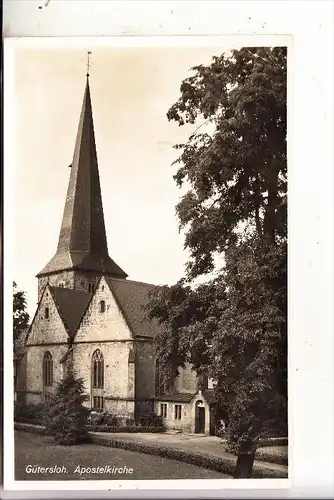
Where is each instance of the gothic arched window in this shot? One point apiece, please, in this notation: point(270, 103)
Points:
point(98, 369)
point(159, 385)
point(47, 370)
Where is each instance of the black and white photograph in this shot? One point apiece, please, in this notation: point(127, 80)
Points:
point(167, 249)
point(150, 262)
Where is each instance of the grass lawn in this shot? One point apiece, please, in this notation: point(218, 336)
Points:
point(36, 450)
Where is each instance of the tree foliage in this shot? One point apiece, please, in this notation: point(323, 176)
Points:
point(237, 174)
point(235, 168)
point(66, 415)
point(20, 315)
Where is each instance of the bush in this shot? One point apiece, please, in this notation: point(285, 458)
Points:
point(274, 441)
point(223, 464)
point(221, 432)
point(273, 454)
point(102, 418)
point(102, 421)
point(131, 428)
point(32, 429)
point(30, 413)
point(151, 420)
point(66, 415)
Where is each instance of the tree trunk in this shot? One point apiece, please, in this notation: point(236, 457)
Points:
point(244, 467)
point(258, 201)
point(270, 223)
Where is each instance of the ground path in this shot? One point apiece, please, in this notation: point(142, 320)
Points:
point(38, 450)
point(211, 446)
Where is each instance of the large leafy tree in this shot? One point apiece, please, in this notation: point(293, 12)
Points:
point(234, 168)
point(20, 315)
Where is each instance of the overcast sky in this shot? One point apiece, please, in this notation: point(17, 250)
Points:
point(131, 89)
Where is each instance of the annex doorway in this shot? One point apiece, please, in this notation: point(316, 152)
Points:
point(199, 417)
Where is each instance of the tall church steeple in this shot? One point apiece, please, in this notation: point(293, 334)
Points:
point(82, 244)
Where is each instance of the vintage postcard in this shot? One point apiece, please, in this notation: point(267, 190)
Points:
point(149, 184)
point(168, 249)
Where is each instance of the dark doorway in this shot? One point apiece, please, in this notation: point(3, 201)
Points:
point(200, 418)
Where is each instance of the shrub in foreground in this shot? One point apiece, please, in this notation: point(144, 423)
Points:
point(30, 413)
point(150, 420)
point(66, 416)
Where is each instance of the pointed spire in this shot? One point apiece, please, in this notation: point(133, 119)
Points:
point(88, 63)
point(82, 241)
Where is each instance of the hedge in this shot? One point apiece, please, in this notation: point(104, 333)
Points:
point(33, 428)
point(268, 456)
point(113, 429)
point(102, 428)
point(32, 421)
point(221, 464)
point(224, 464)
point(278, 441)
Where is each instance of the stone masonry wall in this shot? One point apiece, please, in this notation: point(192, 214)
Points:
point(47, 330)
point(66, 277)
point(82, 280)
point(47, 334)
point(97, 326)
point(108, 332)
point(144, 376)
point(116, 371)
point(35, 355)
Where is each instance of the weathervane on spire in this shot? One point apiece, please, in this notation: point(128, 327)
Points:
point(88, 62)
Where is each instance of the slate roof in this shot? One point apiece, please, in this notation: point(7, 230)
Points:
point(131, 298)
point(187, 397)
point(82, 240)
point(71, 305)
point(181, 397)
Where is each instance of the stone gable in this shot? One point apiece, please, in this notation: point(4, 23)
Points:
point(47, 326)
point(102, 322)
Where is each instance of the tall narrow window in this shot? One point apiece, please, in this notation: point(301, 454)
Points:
point(98, 369)
point(163, 410)
point(46, 313)
point(159, 389)
point(98, 403)
point(97, 392)
point(177, 412)
point(47, 370)
point(102, 306)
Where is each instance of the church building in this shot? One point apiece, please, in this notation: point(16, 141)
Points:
point(91, 317)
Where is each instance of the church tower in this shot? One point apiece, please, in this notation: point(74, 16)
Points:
point(82, 253)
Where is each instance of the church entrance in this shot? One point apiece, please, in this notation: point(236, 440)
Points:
point(199, 417)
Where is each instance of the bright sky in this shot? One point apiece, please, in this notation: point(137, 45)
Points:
point(132, 89)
